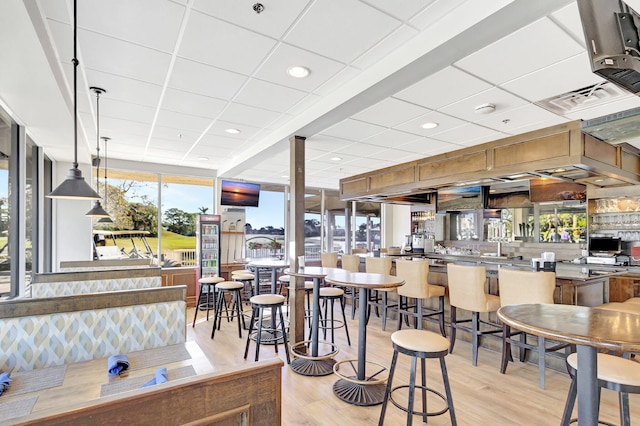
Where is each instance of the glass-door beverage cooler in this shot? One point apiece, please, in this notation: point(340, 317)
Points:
point(208, 245)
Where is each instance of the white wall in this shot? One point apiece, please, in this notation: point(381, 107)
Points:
point(397, 224)
point(72, 229)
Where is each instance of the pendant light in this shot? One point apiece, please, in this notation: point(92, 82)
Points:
point(74, 186)
point(97, 211)
point(108, 218)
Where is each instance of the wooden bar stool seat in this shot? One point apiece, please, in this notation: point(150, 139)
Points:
point(615, 373)
point(206, 296)
point(419, 344)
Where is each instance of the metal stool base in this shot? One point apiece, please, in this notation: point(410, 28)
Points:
point(358, 394)
point(313, 367)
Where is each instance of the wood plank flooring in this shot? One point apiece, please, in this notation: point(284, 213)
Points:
point(481, 395)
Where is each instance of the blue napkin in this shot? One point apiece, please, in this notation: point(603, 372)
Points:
point(5, 381)
point(117, 364)
point(161, 377)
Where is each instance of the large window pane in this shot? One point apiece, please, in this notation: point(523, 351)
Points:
point(265, 226)
point(5, 219)
point(182, 199)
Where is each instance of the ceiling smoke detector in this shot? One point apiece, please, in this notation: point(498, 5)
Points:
point(485, 109)
point(258, 8)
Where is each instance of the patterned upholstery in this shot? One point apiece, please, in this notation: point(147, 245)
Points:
point(41, 341)
point(69, 288)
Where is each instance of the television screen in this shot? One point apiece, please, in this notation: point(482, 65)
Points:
point(462, 198)
point(604, 245)
point(240, 194)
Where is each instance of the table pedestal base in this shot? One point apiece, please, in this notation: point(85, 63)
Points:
point(313, 367)
point(359, 394)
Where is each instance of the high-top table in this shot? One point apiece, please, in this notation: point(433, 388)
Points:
point(362, 388)
point(274, 265)
point(315, 364)
point(589, 329)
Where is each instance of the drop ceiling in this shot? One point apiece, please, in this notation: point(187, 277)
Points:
point(178, 74)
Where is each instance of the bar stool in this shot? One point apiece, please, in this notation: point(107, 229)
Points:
point(329, 260)
point(466, 291)
point(415, 274)
point(259, 303)
point(420, 344)
point(615, 373)
point(351, 263)
point(380, 297)
point(208, 291)
point(520, 287)
point(247, 279)
point(328, 295)
point(233, 288)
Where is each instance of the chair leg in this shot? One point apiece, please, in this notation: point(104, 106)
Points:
point(441, 316)
point(284, 336)
point(452, 338)
point(197, 308)
point(346, 328)
point(447, 390)
point(506, 348)
point(236, 295)
point(401, 305)
point(412, 390)
point(387, 393)
point(571, 400)
point(384, 310)
point(424, 390)
point(251, 321)
point(475, 337)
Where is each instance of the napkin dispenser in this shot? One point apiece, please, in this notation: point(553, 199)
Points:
point(539, 264)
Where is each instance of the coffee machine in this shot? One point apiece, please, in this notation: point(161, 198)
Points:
point(417, 243)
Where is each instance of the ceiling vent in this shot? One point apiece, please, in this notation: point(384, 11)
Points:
point(587, 97)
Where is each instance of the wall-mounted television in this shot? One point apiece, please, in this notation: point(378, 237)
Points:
point(604, 245)
point(462, 198)
point(239, 194)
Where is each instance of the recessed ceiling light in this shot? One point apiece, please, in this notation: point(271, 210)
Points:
point(298, 71)
point(336, 159)
point(429, 125)
point(599, 180)
point(232, 131)
point(203, 158)
point(560, 170)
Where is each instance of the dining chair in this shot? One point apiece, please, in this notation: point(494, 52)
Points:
point(380, 298)
point(520, 287)
point(351, 263)
point(466, 291)
point(329, 260)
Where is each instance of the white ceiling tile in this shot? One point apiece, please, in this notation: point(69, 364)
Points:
point(402, 10)
point(115, 128)
point(345, 75)
point(170, 148)
point(125, 89)
point(124, 59)
point(526, 115)
point(177, 137)
point(467, 133)
point(443, 121)
point(324, 143)
point(346, 38)
point(359, 148)
point(442, 88)
point(192, 104)
point(391, 138)
point(125, 110)
point(205, 80)
point(533, 47)
point(245, 114)
point(394, 155)
point(370, 163)
point(390, 112)
point(274, 69)
point(182, 121)
point(149, 23)
point(426, 146)
point(569, 18)
point(207, 40)
point(273, 97)
point(561, 77)
point(539, 125)
point(220, 127)
point(465, 109)
point(305, 103)
point(273, 21)
point(434, 12)
point(353, 130)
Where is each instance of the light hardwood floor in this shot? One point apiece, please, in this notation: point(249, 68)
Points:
point(481, 395)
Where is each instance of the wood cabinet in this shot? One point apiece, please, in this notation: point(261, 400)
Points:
point(624, 287)
point(182, 276)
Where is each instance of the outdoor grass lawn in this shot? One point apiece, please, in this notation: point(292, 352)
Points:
point(170, 241)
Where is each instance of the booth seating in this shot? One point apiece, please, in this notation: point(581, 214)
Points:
point(55, 284)
point(40, 333)
point(415, 273)
point(466, 291)
point(380, 298)
point(521, 287)
point(418, 344)
point(104, 265)
point(615, 373)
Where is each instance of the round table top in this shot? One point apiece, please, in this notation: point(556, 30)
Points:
point(269, 263)
point(315, 272)
point(363, 279)
point(579, 325)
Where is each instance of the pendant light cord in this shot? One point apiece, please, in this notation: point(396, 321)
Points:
point(75, 89)
point(97, 139)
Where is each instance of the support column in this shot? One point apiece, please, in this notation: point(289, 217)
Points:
point(296, 236)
